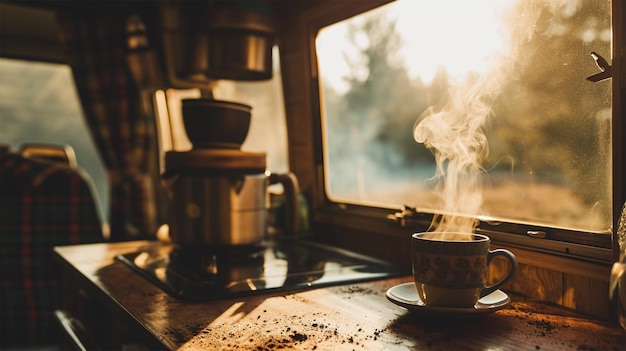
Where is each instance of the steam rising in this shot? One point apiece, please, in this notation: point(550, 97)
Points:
point(453, 131)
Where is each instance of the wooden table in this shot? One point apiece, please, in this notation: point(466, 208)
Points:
point(348, 317)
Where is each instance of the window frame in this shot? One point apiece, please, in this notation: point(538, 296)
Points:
point(578, 245)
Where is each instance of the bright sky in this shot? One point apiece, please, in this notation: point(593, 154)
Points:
point(450, 33)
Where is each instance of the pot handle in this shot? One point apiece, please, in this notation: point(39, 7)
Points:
point(292, 207)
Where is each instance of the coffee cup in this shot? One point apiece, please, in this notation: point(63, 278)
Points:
point(451, 269)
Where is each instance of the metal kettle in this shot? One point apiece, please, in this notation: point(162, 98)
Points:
point(220, 197)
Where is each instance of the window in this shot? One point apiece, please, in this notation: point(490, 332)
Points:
point(39, 104)
point(497, 89)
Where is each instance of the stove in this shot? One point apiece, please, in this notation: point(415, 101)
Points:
point(201, 273)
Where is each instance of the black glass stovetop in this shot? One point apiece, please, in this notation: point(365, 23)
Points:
point(211, 272)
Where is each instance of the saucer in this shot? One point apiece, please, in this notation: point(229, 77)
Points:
point(405, 295)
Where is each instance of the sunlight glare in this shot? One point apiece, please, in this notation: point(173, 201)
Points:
point(460, 36)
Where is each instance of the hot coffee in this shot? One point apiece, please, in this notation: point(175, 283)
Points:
point(451, 270)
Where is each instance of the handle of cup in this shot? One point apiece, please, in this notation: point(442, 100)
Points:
point(511, 258)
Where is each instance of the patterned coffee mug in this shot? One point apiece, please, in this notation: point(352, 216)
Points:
point(451, 269)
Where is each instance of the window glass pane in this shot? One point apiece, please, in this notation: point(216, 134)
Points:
point(495, 89)
point(39, 104)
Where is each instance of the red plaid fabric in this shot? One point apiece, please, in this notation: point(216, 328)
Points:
point(123, 129)
point(42, 205)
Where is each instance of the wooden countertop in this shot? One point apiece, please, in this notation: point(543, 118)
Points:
point(347, 317)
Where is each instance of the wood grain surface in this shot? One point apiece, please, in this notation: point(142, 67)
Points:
point(346, 317)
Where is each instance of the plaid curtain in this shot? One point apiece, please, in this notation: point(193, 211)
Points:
point(122, 126)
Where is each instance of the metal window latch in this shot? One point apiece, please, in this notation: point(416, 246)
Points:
point(603, 65)
point(537, 234)
point(405, 214)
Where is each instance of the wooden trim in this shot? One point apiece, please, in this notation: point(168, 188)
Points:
point(563, 265)
point(619, 116)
